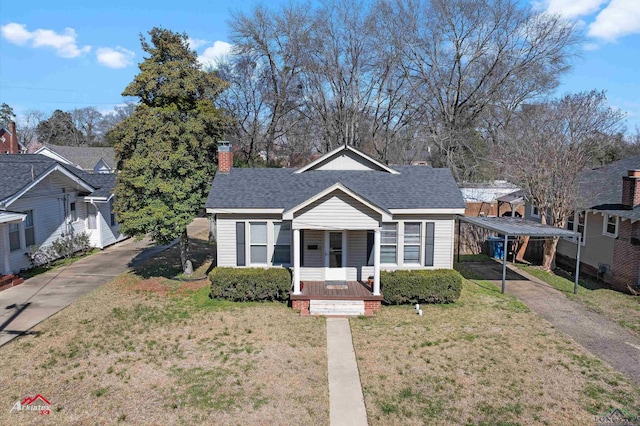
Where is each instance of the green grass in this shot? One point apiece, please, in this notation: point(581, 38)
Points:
point(473, 257)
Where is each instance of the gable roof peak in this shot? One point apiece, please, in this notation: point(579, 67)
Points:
point(363, 161)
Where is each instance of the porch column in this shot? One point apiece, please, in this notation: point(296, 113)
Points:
point(376, 262)
point(296, 261)
point(4, 239)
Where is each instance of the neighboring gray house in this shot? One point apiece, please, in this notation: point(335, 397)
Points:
point(42, 200)
point(88, 158)
point(336, 222)
point(608, 218)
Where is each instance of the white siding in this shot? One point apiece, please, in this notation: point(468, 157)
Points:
point(47, 200)
point(108, 234)
point(443, 240)
point(347, 161)
point(336, 210)
point(226, 241)
point(226, 236)
point(312, 268)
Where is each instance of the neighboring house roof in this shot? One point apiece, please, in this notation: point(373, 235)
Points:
point(601, 188)
point(19, 172)
point(409, 187)
point(84, 157)
point(486, 192)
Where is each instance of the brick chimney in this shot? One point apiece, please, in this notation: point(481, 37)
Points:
point(225, 157)
point(631, 189)
point(12, 144)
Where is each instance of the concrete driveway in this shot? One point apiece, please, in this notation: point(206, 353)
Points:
point(600, 336)
point(24, 306)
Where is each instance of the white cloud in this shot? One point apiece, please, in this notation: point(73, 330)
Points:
point(213, 54)
point(570, 9)
point(619, 18)
point(195, 43)
point(15, 33)
point(117, 57)
point(64, 44)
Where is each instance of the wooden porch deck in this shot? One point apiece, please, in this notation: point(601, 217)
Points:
point(320, 290)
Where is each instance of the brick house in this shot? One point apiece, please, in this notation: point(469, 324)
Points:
point(336, 223)
point(9, 143)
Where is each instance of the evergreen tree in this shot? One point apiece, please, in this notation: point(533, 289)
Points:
point(166, 148)
point(6, 115)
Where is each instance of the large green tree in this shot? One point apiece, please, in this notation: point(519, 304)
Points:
point(166, 148)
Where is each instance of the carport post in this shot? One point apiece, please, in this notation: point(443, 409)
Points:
point(504, 262)
point(575, 286)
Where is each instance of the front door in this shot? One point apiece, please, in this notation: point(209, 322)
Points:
point(335, 256)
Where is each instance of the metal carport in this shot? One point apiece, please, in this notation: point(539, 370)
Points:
point(516, 227)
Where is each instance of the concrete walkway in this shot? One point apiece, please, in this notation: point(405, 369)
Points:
point(26, 305)
point(600, 336)
point(346, 402)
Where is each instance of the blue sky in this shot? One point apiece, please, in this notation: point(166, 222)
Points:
point(68, 54)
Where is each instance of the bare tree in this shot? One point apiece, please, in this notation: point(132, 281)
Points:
point(463, 57)
point(28, 128)
point(547, 145)
point(264, 90)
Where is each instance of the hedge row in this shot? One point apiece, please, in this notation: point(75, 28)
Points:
point(425, 286)
point(250, 284)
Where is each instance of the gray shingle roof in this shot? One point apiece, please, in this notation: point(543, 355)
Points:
point(604, 185)
point(601, 188)
point(19, 170)
point(415, 187)
point(86, 156)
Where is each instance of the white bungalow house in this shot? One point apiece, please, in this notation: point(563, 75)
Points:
point(335, 222)
point(42, 200)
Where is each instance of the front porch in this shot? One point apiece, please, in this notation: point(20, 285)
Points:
point(336, 298)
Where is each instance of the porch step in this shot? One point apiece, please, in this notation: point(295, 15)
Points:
point(336, 307)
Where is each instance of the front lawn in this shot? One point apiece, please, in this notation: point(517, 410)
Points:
point(621, 308)
point(485, 359)
point(159, 351)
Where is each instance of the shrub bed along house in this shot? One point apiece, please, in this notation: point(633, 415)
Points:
point(427, 286)
point(250, 284)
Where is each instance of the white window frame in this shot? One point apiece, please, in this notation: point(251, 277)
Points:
point(265, 244)
point(533, 211)
point(33, 227)
point(605, 225)
point(573, 219)
point(73, 211)
point(16, 227)
point(418, 244)
point(383, 244)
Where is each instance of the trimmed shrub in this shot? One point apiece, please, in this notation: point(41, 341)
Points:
point(423, 286)
point(250, 284)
